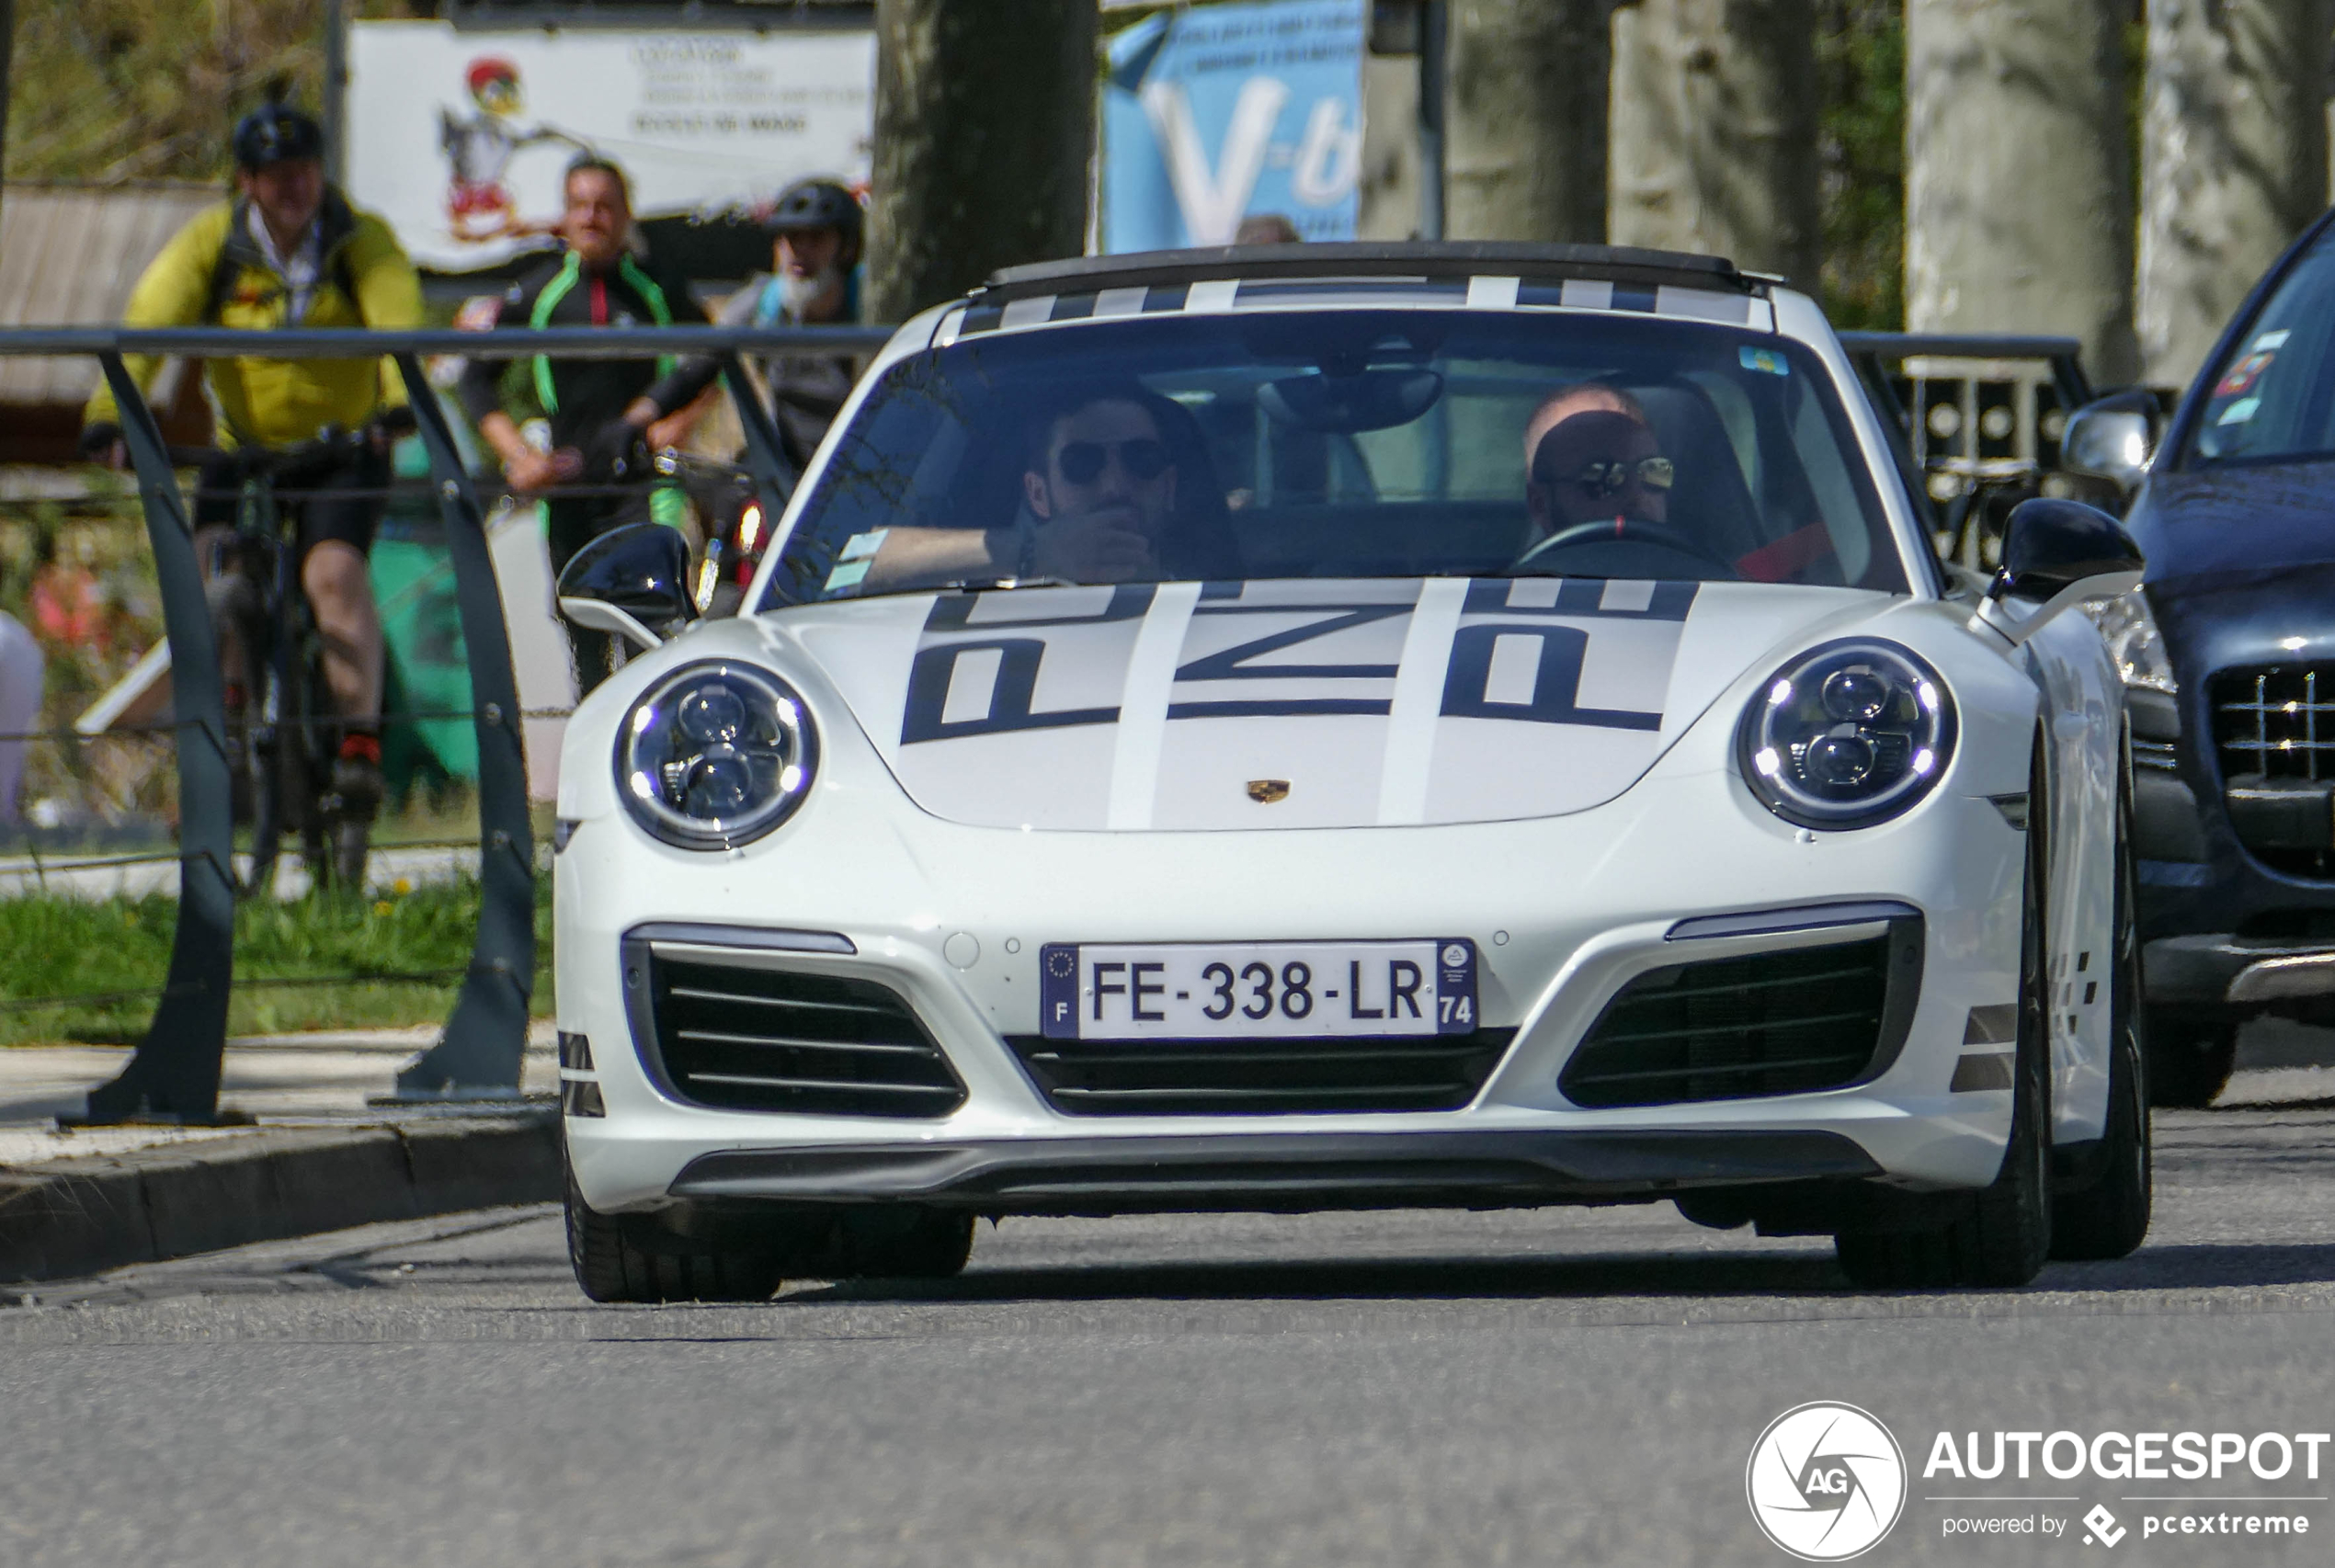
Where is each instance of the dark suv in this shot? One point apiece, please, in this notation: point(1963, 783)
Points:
point(2229, 657)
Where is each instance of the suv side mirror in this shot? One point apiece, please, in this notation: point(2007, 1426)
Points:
point(2056, 554)
point(633, 581)
point(2114, 439)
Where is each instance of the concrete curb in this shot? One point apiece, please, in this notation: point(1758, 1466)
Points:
point(77, 1217)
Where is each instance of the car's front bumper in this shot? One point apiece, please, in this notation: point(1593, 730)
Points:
point(1564, 912)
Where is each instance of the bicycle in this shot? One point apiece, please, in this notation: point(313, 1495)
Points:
point(283, 737)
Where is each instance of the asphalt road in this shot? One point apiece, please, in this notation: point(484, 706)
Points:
point(1551, 1387)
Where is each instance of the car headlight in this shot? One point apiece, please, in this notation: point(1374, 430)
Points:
point(715, 755)
point(2134, 642)
point(1847, 734)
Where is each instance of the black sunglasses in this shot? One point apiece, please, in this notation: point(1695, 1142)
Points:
point(1609, 478)
point(1082, 462)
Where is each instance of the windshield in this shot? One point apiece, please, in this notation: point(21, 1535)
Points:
point(1346, 444)
point(2274, 396)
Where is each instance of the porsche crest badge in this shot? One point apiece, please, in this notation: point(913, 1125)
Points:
point(1265, 791)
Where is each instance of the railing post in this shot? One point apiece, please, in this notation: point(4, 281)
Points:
point(774, 477)
point(173, 1075)
point(480, 1054)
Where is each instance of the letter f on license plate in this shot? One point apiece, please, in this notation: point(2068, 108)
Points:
point(1257, 990)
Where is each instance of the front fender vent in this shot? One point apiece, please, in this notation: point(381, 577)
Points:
point(1763, 1024)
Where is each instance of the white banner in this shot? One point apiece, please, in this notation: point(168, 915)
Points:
point(459, 138)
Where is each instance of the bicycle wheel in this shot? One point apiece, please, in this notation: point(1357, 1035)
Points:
point(255, 787)
point(336, 833)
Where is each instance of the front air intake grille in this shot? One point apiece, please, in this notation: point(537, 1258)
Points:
point(2270, 722)
point(1778, 1023)
point(743, 1039)
point(1260, 1077)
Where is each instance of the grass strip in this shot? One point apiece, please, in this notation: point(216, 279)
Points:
point(89, 971)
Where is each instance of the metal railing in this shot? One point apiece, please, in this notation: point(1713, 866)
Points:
point(1977, 418)
point(174, 1073)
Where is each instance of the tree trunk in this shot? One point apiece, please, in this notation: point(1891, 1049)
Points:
point(1714, 132)
point(2018, 193)
point(2233, 161)
point(983, 133)
point(1526, 126)
point(8, 48)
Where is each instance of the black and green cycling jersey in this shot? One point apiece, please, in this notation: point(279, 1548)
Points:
point(578, 397)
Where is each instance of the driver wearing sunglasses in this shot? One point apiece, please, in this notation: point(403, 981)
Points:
point(1593, 457)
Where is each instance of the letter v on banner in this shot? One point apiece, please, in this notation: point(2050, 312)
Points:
point(1213, 199)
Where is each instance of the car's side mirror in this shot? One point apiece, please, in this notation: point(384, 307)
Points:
point(2113, 439)
point(2056, 554)
point(632, 581)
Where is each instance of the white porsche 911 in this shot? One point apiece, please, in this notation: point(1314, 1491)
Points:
point(1347, 727)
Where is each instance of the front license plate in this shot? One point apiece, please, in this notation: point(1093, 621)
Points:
point(1252, 990)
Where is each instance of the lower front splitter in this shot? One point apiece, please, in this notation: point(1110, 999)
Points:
point(1273, 1172)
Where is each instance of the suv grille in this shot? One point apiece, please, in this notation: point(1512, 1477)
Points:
point(774, 1039)
point(1767, 1024)
point(2270, 722)
point(2271, 726)
point(1260, 1077)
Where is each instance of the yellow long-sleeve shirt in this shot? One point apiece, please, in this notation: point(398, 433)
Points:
point(365, 281)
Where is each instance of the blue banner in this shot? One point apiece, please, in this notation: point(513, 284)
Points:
point(1220, 113)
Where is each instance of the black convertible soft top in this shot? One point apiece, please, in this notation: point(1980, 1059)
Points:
point(1379, 258)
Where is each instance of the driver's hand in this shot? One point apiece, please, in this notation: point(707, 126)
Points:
point(1092, 549)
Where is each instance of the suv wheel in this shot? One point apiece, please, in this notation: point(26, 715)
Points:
point(2191, 1051)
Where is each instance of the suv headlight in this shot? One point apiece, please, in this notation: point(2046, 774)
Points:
point(715, 755)
point(1847, 734)
point(2134, 642)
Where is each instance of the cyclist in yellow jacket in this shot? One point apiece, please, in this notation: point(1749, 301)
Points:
point(288, 251)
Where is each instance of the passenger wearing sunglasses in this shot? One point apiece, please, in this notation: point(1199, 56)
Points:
point(1099, 488)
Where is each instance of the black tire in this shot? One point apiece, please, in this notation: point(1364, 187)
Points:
point(352, 844)
point(906, 1244)
point(2191, 1053)
point(612, 1263)
point(2110, 1217)
point(2003, 1238)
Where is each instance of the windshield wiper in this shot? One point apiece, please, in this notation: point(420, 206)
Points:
point(983, 585)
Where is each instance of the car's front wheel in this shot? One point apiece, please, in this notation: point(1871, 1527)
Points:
point(2110, 1217)
point(622, 1258)
point(2003, 1237)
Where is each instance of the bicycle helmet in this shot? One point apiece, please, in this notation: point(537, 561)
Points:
point(273, 134)
point(817, 204)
